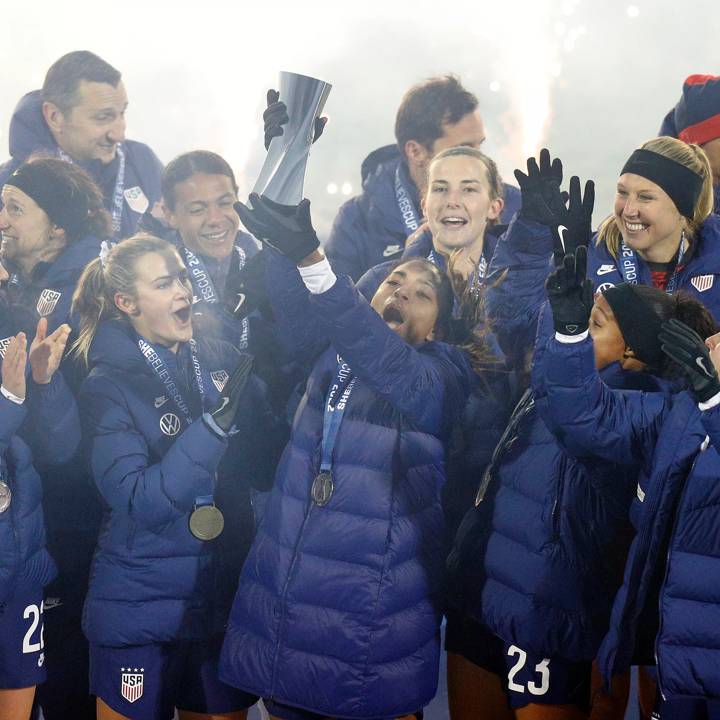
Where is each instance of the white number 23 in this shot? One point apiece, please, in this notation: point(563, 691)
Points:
point(542, 668)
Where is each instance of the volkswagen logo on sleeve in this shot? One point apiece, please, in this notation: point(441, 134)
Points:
point(170, 424)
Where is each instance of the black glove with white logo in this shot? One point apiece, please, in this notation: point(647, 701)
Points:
point(683, 345)
point(571, 294)
point(572, 221)
point(245, 290)
point(286, 228)
point(223, 414)
point(276, 116)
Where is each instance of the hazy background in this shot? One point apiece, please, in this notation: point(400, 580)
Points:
point(589, 80)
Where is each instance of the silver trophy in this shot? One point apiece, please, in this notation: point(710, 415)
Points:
point(283, 173)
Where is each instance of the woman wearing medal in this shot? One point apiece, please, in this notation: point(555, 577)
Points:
point(39, 423)
point(338, 607)
point(160, 407)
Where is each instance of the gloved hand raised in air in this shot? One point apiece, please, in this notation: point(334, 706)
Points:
point(276, 115)
point(223, 414)
point(571, 294)
point(286, 228)
point(683, 345)
point(568, 215)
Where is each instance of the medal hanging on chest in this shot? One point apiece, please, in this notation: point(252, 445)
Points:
point(206, 521)
point(323, 486)
point(5, 496)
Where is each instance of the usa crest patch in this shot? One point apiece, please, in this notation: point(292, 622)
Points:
point(702, 282)
point(131, 683)
point(219, 378)
point(47, 301)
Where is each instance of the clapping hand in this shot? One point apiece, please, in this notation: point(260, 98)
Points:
point(46, 351)
point(13, 367)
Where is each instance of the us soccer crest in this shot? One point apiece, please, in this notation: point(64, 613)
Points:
point(47, 301)
point(702, 282)
point(219, 378)
point(131, 683)
point(4, 346)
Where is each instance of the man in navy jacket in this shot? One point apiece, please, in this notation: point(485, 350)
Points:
point(373, 227)
point(79, 116)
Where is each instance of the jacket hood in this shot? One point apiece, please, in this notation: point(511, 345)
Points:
point(388, 154)
point(28, 129)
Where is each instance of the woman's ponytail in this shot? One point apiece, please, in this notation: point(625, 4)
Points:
point(90, 305)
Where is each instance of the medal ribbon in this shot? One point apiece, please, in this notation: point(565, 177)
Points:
point(405, 204)
point(117, 204)
point(628, 266)
point(170, 385)
point(335, 404)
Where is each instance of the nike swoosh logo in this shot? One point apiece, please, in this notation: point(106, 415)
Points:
point(701, 364)
point(605, 269)
point(391, 250)
point(241, 300)
point(561, 232)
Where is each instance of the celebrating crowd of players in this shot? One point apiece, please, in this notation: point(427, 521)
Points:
point(239, 465)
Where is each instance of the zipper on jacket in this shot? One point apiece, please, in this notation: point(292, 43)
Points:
point(666, 572)
point(283, 602)
point(557, 505)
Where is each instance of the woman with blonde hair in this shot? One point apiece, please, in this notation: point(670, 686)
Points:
point(662, 231)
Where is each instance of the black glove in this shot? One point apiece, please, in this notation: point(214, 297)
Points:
point(683, 345)
point(276, 116)
point(286, 228)
point(245, 291)
point(226, 408)
point(572, 222)
point(540, 188)
point(571, 294)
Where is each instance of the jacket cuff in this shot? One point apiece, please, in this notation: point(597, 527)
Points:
point(570, 339)
point(711, 403)
point(11, 397)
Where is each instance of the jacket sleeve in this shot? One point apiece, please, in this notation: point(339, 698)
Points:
point(153, 494)
point(344, 242)
point(298, 331)
point(12, 416)
point(516, 284)
point(422, 385)
point(585, 415)
point(56, 431)
point(711, 422)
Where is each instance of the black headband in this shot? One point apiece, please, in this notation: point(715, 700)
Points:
point(678, 181)
point(638, 322)
point(61, 205)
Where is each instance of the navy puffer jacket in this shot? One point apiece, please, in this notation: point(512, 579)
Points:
point(372, 228)
point(560, 531)
point(47, 423)
point(338, 606)
point(672, 568)
point(151, 580)
point(30, 134)
point(699, 276)
point(49, 289)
